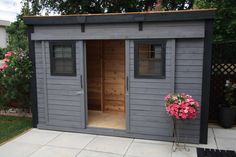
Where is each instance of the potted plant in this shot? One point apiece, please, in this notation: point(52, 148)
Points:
point(228, 109)
point(180, 107)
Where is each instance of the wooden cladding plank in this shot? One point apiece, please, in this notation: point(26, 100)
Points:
point(114, 86)
point(114, 105)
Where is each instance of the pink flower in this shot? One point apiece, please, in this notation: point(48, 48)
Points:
point(6, 60)
point(8, 54)
point(182, 106)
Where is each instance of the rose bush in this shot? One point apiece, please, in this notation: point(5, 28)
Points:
point(15, 75)
point(181, 106)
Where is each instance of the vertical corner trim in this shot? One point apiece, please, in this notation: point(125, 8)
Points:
point(33, 93)
point(206, 80)
point(44, 57)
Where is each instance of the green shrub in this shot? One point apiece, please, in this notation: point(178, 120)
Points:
point(15, 77)
point(2, 52)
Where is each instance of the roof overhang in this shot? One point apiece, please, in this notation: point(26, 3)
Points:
point(162, 16)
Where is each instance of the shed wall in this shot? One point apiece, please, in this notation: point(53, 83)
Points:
point(147, 112)
point(188, 79)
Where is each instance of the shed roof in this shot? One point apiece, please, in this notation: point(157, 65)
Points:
point(153, 16)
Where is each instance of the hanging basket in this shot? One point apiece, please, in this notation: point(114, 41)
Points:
point(180, 107)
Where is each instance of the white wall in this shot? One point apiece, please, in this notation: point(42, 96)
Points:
point(3, 37)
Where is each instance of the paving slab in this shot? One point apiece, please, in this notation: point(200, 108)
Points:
point(38, 137)
point(182, 153)
point(149, 150)
point(225, 138)
point(226, 143)
point(72, 140)
point(211, 141)
point(88, 153)
point(224, 133)
point(107, 144)
point(15, 149)
point(49, 151)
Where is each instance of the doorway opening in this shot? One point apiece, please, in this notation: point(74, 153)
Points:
point(106, 83)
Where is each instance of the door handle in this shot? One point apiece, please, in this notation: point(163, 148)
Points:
point(127, 83)
point(81, 81)
point(79, 92)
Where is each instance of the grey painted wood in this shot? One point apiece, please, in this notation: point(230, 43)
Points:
point(121, 31)
point(58, 100)
point(148, 115)
point(45, 83)
point(145, 112)
point(81, 49)
point(189, 61)
point(173, 58)
point(147, 99)
point(127, 76)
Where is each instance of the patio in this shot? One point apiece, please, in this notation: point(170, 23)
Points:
point(38, 143)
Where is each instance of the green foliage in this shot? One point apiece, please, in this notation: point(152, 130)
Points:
point(15, 80)
point(225, 22)
point(229, 93)
point(2, 52)
point(13, 126)
point(177, 4)
point(101, 6)
point(17, 36)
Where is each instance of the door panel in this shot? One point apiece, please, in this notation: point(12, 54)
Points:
point(65, 94)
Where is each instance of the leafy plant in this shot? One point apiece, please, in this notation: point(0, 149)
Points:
point(229, 93)
point(15, 76)
point(17, 36)
point(225, 21)
point(2, 52)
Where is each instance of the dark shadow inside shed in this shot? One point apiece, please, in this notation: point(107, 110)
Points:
point(106, 83)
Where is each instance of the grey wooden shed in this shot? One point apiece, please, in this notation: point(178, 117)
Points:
point(120, 66)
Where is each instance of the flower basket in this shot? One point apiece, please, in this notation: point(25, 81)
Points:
point(180, 107)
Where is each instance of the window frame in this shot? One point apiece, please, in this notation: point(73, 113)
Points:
point(52, 57)
point(163, 56)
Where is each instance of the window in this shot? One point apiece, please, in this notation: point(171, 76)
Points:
point(62, 55)
point(149, 59)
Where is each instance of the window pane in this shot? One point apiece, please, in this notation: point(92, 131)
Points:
point(59, 66)
point(68, 66)
point(63, 58)
point(58, 51)
point(150, 59)
point(62, 51)
point(67, 51)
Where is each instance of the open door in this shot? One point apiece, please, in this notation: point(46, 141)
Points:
point(106, 83)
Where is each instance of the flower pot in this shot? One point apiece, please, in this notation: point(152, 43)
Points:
point(227, 117)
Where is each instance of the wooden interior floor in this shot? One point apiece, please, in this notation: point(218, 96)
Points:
point(106, 119)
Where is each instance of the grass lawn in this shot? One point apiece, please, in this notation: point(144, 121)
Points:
point(12, 126)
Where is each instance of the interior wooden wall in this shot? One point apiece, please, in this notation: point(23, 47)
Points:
point(94, 74)
point(114, 73)
point(106, 71)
